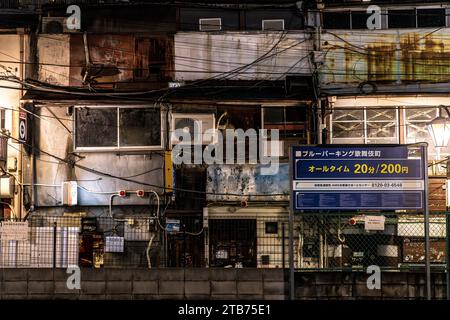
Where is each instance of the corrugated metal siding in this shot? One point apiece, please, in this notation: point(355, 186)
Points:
point(406, 56)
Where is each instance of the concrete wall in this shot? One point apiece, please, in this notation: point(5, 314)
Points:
point(145, 284)
point(50, 172)
point(242, 284)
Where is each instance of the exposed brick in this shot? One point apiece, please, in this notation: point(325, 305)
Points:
point(38, 287)
point(118, 287)
point(197, 287)
point(171, 287)
point(250, 287)
point(145, 287)
point(223, 287)
point(14, 296)
point(15, 287)
point(93, 287)
point(171, 297)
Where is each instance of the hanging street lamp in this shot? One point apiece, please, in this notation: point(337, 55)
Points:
point(439, 128)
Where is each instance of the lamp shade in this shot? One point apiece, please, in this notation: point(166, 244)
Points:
point(439, 130)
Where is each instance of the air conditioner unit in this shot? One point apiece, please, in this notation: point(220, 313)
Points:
point(55, 25)
point(276, 24)
point(194, 125)
point(210, 24)
point(273, 148)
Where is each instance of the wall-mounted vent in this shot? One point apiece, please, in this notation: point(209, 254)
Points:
point(210, 24)
point(275, 25)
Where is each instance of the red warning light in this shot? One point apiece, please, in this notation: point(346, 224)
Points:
point(122, 193)
point(352, 221)
point(140, 193)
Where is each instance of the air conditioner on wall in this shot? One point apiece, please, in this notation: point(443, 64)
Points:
point(53, 25)
point(200, 127)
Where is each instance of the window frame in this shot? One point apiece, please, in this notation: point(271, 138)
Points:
point(117, 148)
point(365, 136)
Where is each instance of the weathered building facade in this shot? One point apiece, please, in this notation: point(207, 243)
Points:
point(102, 103)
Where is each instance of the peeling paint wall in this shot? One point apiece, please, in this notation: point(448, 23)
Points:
point(385, 56)
point(246, 180)
point(54, 138)
point(54, 59)
point(200, 55)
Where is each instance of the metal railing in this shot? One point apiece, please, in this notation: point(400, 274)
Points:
point(321, 242)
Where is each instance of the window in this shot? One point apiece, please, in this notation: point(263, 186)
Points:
point(430, 18)
point(416, 126)
point(117, 128)
point(210, 24)
point(359, 19)
point(402, 18)
point(336, 20)
point(291, 121)
point(367, 125)
point(277, 24)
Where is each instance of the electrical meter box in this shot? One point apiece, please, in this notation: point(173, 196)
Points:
point(69, 193)
point(7, 187)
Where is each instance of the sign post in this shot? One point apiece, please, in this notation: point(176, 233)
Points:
point(361, 177)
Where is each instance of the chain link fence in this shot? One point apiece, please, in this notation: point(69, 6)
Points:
point(322, 242)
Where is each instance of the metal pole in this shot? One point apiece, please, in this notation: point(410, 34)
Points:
point(447, 253)
point(427, 221)
point(54, 245)
point(283, 245)
point(291, 255)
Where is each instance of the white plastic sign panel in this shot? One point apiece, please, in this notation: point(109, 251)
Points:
point(114, 244)
point(10, 230)
point(374, 223)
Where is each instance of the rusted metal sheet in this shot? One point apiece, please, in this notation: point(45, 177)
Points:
point(386, 56)
point(226, 182)
point(145, 58)
point(200, 55)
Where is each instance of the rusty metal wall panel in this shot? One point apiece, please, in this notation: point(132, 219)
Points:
point(384, 56)
point(200, 55)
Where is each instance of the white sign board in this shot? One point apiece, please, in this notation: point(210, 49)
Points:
point(114, 244)
point(374, 223)
point(10, 230)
